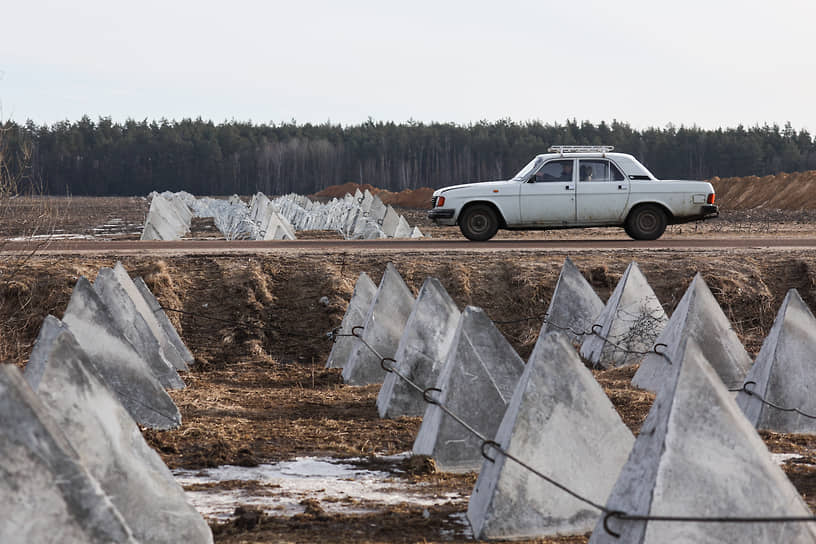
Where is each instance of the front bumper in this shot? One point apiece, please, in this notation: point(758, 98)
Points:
point(442, 216)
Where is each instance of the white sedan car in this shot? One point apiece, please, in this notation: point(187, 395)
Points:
point(575, 186)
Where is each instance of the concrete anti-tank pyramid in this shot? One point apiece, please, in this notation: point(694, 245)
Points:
point(574, 305)
point(140, 304)
point(377, 210)
point(403, 229)
point(365, 203)
point(164, 321)
point(785, 372)
point(697, 316)
point(697, 455)
point(384, 325)
point(561, 422)
point(164, 222)
point(130, 320)
point(109, 442)
point(476, 383)
point(48, 495)
point(421, 352)
point(390, 221)
point(356, 313)
point(631, 320)
point(127, 373)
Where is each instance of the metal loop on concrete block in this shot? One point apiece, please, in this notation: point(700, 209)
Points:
point(745, 387)
point(354, 330)
point(333, 335)
point(613, 514)
point(492, 444)
point(593, 328)
point(384, 366)
point(428, 399)
point(660, 344)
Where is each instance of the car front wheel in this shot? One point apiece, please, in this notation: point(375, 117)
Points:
point(647, 222)
point(479, 223)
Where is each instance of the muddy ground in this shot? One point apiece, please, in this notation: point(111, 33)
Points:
point(258, 391)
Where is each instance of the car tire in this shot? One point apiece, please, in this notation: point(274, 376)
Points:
point(647, 222)
point(479, 223)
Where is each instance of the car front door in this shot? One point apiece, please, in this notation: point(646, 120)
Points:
point(548, 197)
point(602, 192)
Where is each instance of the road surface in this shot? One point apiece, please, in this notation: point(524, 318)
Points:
point(192, 247)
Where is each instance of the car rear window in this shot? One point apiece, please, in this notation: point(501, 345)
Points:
point(598, 170)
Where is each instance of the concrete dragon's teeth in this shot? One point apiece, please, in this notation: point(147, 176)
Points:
point(785, 372)
point(422, 350)
point(384, 325)
point(561, 422)
point(477, 381)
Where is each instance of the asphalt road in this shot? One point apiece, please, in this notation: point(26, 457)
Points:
point(60, 247)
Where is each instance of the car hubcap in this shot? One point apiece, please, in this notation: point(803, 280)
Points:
point(647, 222)
point(478, 223)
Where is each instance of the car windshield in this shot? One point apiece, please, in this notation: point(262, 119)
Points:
point(531, 167)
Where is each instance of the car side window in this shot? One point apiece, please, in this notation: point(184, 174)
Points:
point(558, 170)
point(598, 170)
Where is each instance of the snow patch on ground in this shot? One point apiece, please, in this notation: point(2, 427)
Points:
point(279, 488)
point(40, 237)
point(780, 458)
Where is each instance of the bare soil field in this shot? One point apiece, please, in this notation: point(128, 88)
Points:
point(259, 394)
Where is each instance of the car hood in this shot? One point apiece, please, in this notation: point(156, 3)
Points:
point(476, 187)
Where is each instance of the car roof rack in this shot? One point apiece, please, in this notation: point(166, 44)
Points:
point(580, 149)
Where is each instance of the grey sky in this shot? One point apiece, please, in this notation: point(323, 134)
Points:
point(711, 63)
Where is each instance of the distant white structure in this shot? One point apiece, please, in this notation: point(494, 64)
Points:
point(361, 216)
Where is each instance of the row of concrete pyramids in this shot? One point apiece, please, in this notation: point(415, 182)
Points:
point(358, 216)
point(779, 375)
point(479, 376)
point(170, 217)
point(76, 467)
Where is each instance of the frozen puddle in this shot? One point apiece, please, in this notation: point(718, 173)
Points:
point(279, 489)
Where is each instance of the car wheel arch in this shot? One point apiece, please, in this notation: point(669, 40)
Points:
point(666, 210)
point(499, 214)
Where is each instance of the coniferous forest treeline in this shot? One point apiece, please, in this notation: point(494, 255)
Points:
point(204, 158)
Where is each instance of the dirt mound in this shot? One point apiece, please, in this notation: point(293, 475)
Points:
point(796, 191)
point(408, 198)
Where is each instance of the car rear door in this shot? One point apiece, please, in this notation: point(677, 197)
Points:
point(548, 197)
point(602, 192)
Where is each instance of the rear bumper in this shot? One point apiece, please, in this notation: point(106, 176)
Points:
point(709, 211)
point(442, 216)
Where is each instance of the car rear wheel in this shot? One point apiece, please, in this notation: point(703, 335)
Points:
point(647, 222)
point(479, 223)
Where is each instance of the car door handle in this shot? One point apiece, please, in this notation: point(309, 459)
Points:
point(568, 187)
point(621, 187)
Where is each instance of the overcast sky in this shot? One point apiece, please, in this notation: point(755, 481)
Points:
point(711, 63)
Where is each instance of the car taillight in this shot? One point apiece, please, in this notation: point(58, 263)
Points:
point(440, 201)
point(711, 197)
